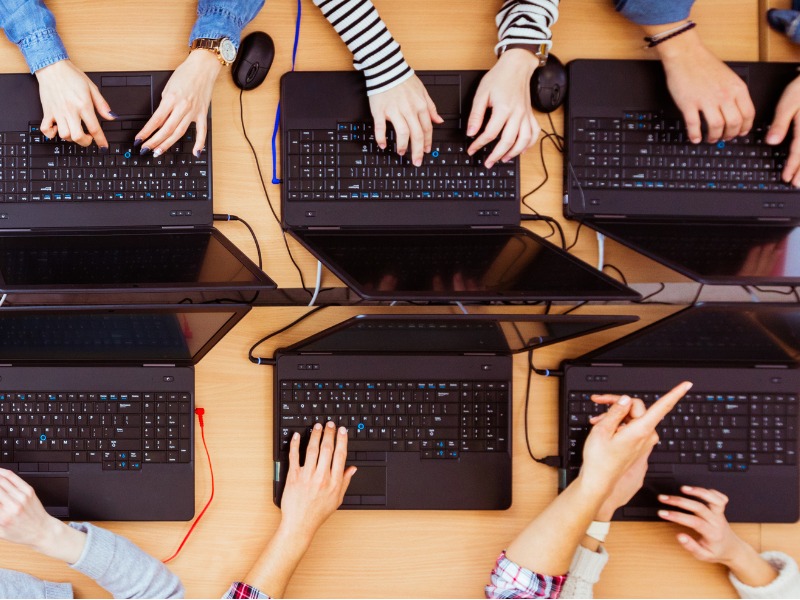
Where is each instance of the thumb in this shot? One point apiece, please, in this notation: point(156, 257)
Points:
point(615, 415)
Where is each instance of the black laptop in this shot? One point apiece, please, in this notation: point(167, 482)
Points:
point(76, 221)
point(736, 429)
point(447, 230)
point(97, 405)
point(718, 213)
point(426, 400)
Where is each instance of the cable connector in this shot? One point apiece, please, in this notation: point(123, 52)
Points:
point(200, 412)
point(551, 461)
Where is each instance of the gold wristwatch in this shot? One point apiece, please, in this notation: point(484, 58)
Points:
point(222, 47)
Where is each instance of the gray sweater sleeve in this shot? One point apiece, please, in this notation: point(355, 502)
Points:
point(14, 584)
point(584, 572)
point(785, 585)
point(122, 568)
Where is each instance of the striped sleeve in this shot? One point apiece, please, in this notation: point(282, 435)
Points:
point(526, 22)
point(375, 51)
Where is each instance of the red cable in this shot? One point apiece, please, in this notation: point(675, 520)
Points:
point(199, 412)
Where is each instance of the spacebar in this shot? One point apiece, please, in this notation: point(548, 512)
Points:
point(367, 446)
point(32, 456)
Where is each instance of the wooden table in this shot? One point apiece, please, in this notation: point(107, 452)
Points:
point(376, 554)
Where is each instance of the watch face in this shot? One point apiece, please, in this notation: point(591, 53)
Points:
point(227, 50)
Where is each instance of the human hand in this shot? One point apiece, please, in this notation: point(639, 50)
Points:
point(717, 543)
point(409, 108)
point(69, 100)
point(787, 113)
point(23, 520)
point(701, 83)
point(184, 101)
point(619, 438)
point(314, 491)
point(506, 90)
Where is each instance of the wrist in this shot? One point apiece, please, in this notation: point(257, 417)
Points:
point(594, 487)
point(685, 45)
point(521, 58)
point(295, 534)
point(60, 541)
point(205, 59)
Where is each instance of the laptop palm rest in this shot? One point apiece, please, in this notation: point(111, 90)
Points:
point(53, 493)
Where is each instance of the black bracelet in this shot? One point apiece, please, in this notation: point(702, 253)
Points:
point(659, 38)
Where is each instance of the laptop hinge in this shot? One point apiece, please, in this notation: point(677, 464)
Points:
point(479, 354)
point(6, 365)
point(159, 365)
point(773, 219)
point(28, 229)
point(323, 228)
point(772, 366)
point(177, 227)
point(486, 226)
point(601, 364)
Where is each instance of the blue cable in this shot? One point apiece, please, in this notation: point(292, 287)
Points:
point(277, 123)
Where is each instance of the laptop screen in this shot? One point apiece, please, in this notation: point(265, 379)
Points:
point(112, 335)
point(715, 334)
point(718, 253)
point(454, 333)
point(479, 264)
point(119, 259)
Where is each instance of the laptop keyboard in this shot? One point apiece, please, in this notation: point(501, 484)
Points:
point(35, 169)
point(48, 431)
point(726, 432)
point(643, 150)
point(346, 164)
point(439, 420)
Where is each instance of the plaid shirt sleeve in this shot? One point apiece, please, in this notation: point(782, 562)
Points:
point(239, 589)
point(509, 580)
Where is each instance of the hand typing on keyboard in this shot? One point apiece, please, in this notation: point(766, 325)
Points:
point(704, 511)
point(409, 108)
point(69, 101)
point(700, 83)
point(787, 114)
point(505, 89)
point(184, 101)
point(312, 494)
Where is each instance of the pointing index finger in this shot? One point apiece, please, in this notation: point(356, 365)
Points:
point(659, 409)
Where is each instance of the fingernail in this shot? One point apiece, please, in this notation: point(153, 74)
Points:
point(137, 142)
point(342, 430)
point(683, 538)
point(199, 152)
point(687, 385)
point(295, 436)
point(113, 114)
point(771, 138)
point(317, 426)
point(663, 497)
point(471, 132)
point(663, 513)
point(103, 149)
point(687, 488)
point(382, 146)
point(157, 152)
point(330, 425)
point(144, 150)
point(624, 401)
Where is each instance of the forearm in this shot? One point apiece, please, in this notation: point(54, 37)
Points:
point(749, 568)
point(549, 542)
point(375, 51)
point(32, 27)
point(274, 568)
point(223, 18)
point(526, 22)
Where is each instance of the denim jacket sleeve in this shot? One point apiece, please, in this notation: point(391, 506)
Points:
point(32, 27)
point(654, 12)
point(223, 18)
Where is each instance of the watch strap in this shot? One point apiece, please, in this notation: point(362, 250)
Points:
point(211, 45)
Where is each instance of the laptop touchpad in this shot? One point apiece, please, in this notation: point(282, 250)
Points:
point(368, 481)
point(53, 492)
point(128, 96)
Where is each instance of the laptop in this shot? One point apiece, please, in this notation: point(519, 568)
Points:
point(97, 405)
point(426, 400)
point(736, 429)
point(718, 213)
point(70, 211)
point(447, 230)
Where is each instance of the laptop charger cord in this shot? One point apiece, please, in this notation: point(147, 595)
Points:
point(199, 412)
point(226, 217)
point(271, 361)
point(553, 460)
